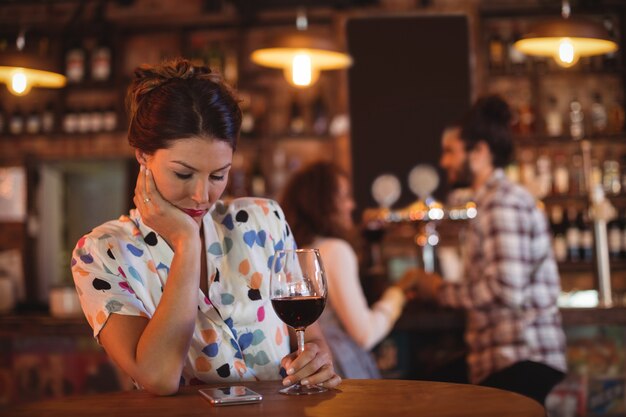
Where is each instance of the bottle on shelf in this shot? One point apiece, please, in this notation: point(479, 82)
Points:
point(616, 117)
point(320, 117)
point(526, 118)
point(109, 120)
point(577, 185)
point(231, 71)
point(257, 180)
point(596, 173)
point(296, 120)
point(559, 244)
point(101, 61)
point(544, 176)
point(554, 118)
point(248, 123)
point(16, 123)
point(33, 122)
point(586, 236)
point(75, 64)
point(615, 232)
point(599, 118)
point(84, 124)
point(572, 236)
point(70, 121)
point(611, 177)
point(47, 118)
point(96, 120)
point(561, 181)
point(576, 120)
point(496, 53)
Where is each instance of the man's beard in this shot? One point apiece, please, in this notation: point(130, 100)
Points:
point(465, 176)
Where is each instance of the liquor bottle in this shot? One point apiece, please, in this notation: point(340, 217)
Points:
point(576, 120)
point(47, 118)
point(84, 124)
point(75, 64)
point(615, 231)
point(257, 180)
point(572, 236)
point(109, 119)
point(559, 244)
point(599, 118)
point(231, 67)
point(611, 177)
point(101, 61)
point(586, 236)
point(16, 123)
point(554, 119)
point(320, 117)
point(33, 123)
point(616, 117)
point(561, 175)
point(496, 53)
point(544, 176)
point(70, 121)
point(296, 120)
point(247, 117)
point(577, 177)
point(96, 120)
point(526, 118)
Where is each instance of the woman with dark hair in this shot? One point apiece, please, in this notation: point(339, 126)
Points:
point(177, 292)
point(318, 205)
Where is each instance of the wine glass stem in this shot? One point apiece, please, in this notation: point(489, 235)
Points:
point(300, 338)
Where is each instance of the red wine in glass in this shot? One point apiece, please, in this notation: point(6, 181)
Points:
point(298, 293)
point(299, 311)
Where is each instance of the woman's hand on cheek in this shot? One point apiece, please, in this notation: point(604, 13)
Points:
point(311, 367)
point(171, 223)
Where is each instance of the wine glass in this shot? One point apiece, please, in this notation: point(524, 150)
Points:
point(298, 292)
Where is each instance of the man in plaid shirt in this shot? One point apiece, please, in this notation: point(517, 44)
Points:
point(511, 281)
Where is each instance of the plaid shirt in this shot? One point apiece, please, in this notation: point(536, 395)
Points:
point(511, 283)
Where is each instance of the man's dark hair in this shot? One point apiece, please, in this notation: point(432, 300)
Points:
point(489, 120)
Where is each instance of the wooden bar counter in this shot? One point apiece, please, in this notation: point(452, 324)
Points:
point(353, 398)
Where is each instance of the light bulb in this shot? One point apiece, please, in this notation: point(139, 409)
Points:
point(301, 73)
point(19, 84)
point(566, 56)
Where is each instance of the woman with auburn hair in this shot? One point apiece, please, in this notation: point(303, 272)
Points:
point(318, 205)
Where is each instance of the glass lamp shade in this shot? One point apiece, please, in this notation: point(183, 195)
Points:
point(566, 40)
point(301, 57)
point(21, 72)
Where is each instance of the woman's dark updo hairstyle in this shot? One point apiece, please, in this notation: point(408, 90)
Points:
point(175, 100)
point(310, 203)
point(489, 120)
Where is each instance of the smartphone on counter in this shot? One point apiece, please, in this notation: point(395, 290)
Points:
point(233, 395)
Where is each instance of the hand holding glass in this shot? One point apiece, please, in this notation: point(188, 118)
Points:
point(298, 291)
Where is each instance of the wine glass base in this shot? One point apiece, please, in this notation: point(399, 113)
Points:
point(298, 389)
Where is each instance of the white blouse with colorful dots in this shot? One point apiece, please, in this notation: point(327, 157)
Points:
point(122, 266)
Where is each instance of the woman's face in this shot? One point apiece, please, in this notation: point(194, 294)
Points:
point(345, 203)
point(191, 174)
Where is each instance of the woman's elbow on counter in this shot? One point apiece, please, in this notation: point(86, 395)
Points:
point(162, 387)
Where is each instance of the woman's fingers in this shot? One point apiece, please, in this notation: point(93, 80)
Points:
point(310, 367)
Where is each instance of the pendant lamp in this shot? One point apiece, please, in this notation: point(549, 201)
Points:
point(566, 39)
point(301, 55)
point(21, 71)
